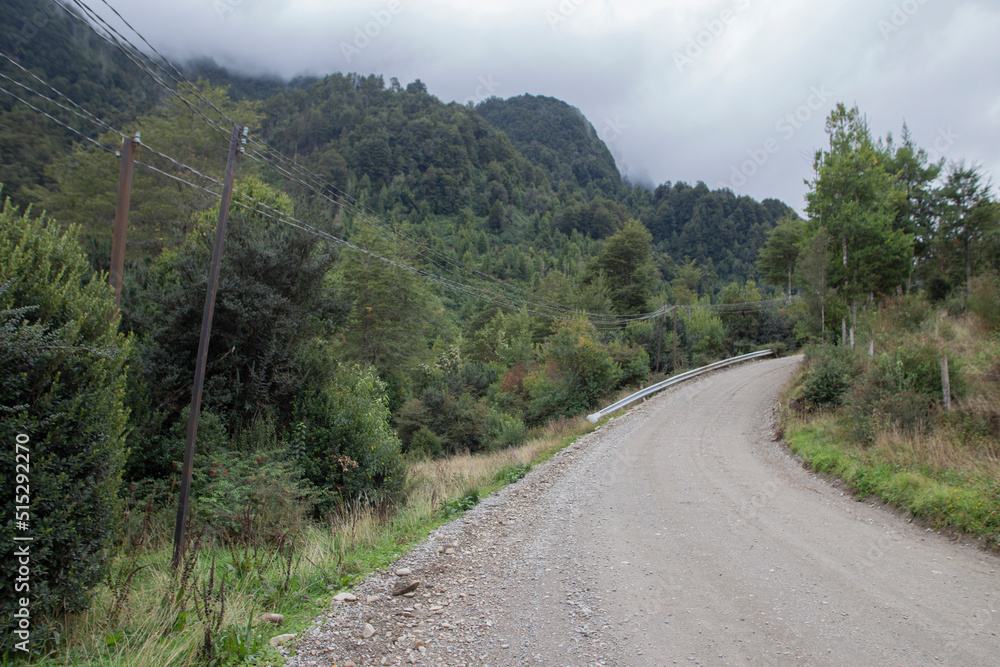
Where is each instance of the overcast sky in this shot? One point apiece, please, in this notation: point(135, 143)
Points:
point(733, 93)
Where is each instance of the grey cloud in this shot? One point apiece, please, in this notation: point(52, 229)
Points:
point(928, 62)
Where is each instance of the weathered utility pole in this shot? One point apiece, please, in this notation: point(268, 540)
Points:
point(675, 338)
point(659, 340)
point(206, 330)
point(130, 146)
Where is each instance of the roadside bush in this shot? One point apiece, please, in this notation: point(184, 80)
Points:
point(921, 365)
point(459, 422)
point(644, 334)
point(828, 376)
point(246, 489)
point(425, 444)
point(885, 397)
point(345, 445)
point(632, 362)
point(547, 397)
point(904, 313)
point(62, 385)
point(984, 299)
point(251, 497)
point(707, 336)
point(504, 431)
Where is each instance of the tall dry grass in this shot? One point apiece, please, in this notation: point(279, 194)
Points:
point(966, 439)
point(136, 621)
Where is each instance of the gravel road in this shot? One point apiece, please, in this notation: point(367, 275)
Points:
point(680, 533)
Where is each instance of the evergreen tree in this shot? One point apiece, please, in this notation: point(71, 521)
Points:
point(856, 200)
point(62, 385)
point(969, 220)
point(627, 263)
point(779, 255)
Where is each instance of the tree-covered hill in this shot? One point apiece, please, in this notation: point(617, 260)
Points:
point(558, 137)
point(41, 37)
point(715, 228)
point(512, 187)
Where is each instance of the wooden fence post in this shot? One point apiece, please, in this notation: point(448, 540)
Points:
point(945, 383)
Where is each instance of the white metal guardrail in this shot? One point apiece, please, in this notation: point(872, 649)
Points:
point(652, 389)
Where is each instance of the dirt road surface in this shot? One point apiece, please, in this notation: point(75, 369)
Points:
point(680, 533)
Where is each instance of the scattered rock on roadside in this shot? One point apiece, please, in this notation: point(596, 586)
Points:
point(277, 619)
point(406, 588)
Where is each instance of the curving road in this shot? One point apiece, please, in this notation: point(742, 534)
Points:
point(682, 533)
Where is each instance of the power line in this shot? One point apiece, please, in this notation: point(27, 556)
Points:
point(57, 121)
point(81, 112)
point(351, 206)
point(135, 55)
point(539, 306)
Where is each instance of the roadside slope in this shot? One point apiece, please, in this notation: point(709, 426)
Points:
point(679, 532)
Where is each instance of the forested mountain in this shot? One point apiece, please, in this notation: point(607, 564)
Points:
point(528, 172)
point(714, 228)
point(63, 51)
point(514, 209)
point(558, 137)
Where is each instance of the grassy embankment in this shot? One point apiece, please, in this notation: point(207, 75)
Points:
point(147, 615)
point(901, 446)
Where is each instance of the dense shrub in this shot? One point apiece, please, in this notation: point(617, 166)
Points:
point(920, 364)
point(578, 371)
point(504, 431)
point(245, 488)
point(62, 384)
point(887, 397)
point(251, 497)
point(424, 443)
point(828, 376)
point(644, 334)
point(547, 397)
point(458, 421)
point(984, 299)
point(904, 313)
point(632, 362)
point(345, 445)
point(706, 336)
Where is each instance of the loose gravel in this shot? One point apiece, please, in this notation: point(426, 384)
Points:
point(678, 533)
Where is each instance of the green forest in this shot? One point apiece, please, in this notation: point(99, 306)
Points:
point(404, 280)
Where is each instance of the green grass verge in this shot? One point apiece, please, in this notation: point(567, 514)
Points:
point(944, 499)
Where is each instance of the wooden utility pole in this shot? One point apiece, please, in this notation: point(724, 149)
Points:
point(675, 338)
point(206, 330)
point(130, 146)
point(659, 340)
